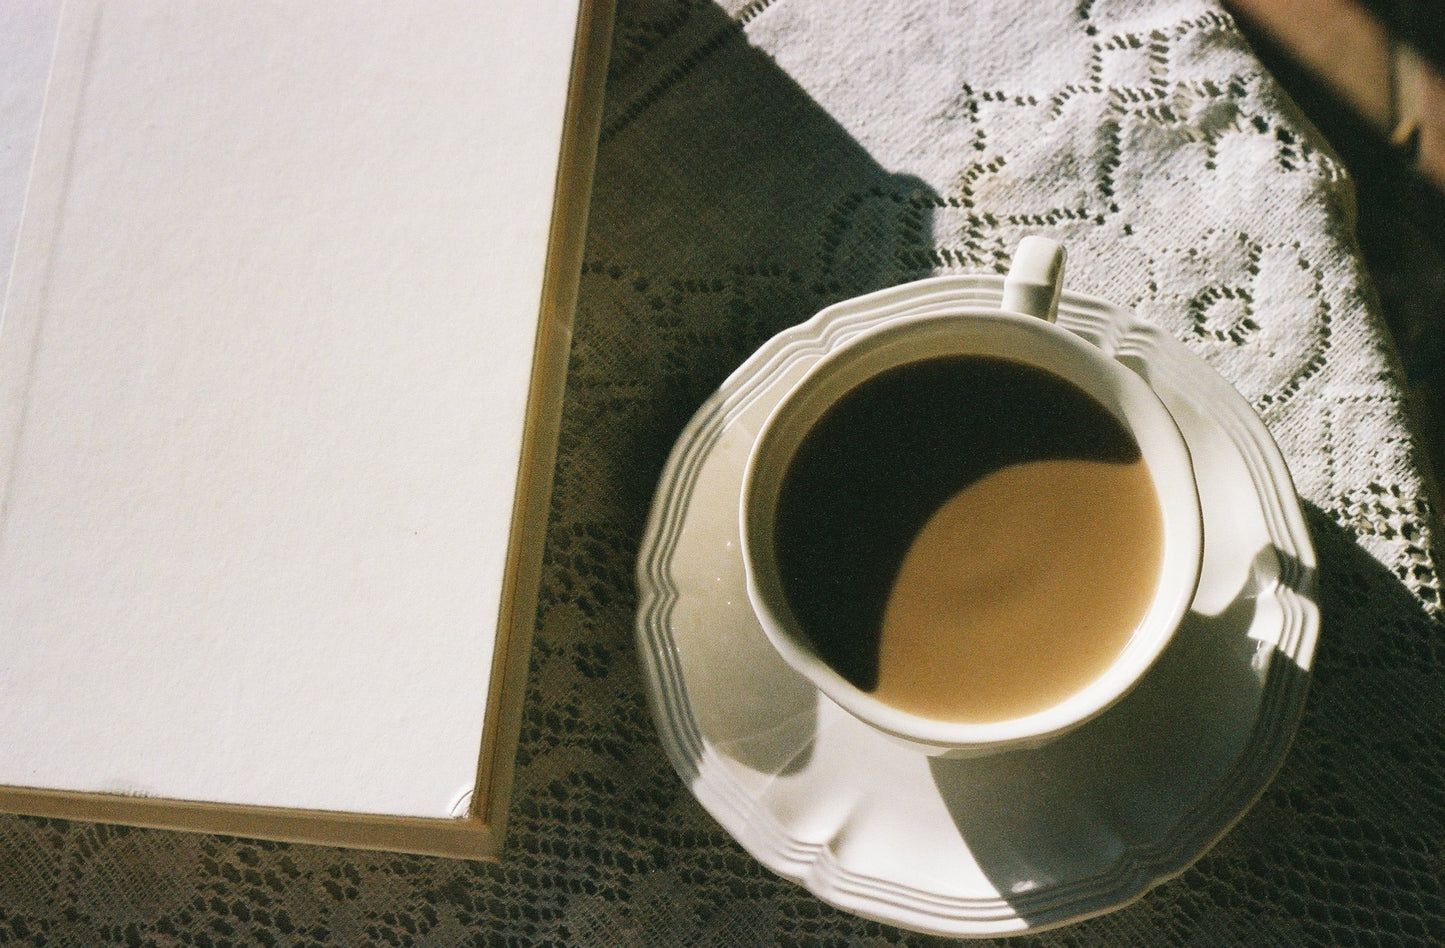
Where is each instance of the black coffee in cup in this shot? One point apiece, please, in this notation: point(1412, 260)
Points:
point(968, 538)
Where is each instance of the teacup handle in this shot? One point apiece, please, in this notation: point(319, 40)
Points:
point(1035, 278)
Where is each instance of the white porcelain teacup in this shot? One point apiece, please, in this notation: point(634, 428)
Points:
point(1046, 641)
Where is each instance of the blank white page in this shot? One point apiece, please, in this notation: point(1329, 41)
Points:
point(264, 369)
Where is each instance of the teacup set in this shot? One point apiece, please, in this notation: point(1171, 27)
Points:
point(928, 578)
point(1023, 331)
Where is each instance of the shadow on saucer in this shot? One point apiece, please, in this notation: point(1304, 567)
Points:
point(1344, 844)
point(1133, 795)
point(1348, 843)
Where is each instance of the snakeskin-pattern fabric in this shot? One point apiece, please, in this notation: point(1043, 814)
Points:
point(759, 161)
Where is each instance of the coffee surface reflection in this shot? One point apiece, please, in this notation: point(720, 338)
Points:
point(968, 538)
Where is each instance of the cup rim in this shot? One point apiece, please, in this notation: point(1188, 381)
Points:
point(1128, 396)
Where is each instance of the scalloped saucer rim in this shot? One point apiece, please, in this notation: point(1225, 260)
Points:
point(1023, 840)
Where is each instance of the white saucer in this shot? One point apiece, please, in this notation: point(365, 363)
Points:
point(1017, 841)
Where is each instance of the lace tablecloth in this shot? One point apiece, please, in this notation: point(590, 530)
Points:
point(758, 161)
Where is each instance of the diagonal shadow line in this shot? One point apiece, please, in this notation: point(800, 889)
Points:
point(745, 178)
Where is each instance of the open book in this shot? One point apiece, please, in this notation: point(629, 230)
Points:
point(281, 364)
